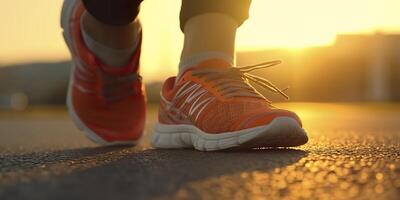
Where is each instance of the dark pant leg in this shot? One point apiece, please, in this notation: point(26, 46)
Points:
point(237, 9)
point(113, 12)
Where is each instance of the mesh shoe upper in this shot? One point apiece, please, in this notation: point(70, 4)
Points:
point(217, 103)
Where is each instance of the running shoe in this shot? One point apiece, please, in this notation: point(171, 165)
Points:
point(107, 103)
point(213, 106)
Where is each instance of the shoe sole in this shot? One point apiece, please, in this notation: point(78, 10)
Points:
point(67, 10)
point(281, 132)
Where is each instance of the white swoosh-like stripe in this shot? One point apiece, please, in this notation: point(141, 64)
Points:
point(195, 94)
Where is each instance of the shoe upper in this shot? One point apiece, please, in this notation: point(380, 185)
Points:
point(110, 101)
point(216, 98)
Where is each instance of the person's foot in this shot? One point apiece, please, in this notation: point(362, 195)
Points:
point(106, 103)
point(213, 107)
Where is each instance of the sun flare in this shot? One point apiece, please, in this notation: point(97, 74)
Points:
point(31, 32)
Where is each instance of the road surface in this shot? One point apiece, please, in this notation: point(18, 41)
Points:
point(353, 153)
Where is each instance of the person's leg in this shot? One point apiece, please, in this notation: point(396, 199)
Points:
point(210, 27)
point(110, 29)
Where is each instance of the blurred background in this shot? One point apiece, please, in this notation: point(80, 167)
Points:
point(333, 51)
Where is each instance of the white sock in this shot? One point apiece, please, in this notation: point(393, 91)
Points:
point(110, 56)
point(194, 60)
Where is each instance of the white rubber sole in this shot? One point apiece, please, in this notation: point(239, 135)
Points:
point(66, 13)
point(281, 132)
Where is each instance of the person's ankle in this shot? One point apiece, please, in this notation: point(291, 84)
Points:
point(113, 45)
point(118, 37)
point(208, 36)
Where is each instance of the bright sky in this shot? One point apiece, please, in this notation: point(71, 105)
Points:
point(30, 30)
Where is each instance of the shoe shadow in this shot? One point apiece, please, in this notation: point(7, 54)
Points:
point(138, 174)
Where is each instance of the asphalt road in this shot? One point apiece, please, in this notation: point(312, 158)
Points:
point(353, 153)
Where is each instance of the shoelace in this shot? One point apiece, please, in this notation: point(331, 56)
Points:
point(235, 81)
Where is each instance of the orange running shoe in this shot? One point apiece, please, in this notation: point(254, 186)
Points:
point(106, 103)
point(213, 107)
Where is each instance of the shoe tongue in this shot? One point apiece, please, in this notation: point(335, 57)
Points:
point(209, 63)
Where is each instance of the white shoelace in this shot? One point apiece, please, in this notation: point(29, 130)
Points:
point(235, 81)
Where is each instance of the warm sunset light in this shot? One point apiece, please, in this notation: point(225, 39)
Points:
point(301, 101)
point(30, 31)
point(287, 23)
